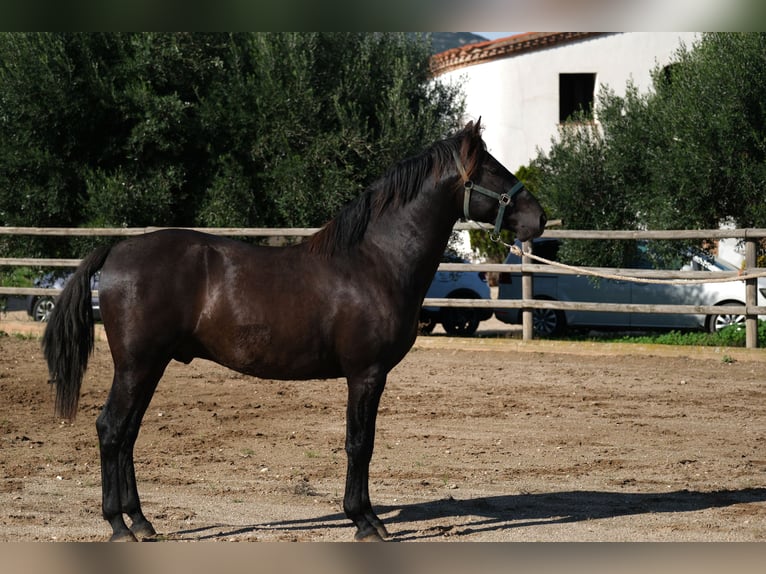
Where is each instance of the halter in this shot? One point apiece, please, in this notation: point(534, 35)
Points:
point(504, 199)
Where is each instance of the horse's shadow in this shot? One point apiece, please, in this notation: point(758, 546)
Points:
point(498, 513)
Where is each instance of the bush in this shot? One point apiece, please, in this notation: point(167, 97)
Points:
point(688, 154)
point(190, 129)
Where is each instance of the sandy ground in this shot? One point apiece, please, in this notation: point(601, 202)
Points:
point(479, 439)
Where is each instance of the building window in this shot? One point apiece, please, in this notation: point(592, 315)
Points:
point(575, 94)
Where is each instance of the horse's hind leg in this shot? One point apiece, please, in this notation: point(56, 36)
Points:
point(118, 426)
point(131, 505)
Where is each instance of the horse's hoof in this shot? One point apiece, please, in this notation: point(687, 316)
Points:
point(126, 536)
point(382, 532)
point(373, 536)
point(143, 530)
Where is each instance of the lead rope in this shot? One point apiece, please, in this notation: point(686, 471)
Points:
point(587, 271)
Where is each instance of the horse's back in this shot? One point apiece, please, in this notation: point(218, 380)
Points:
point(147, 269)
point(154, 287)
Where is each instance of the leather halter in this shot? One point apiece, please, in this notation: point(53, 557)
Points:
point(504, 199)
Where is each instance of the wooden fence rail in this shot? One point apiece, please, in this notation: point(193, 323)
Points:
point(527, 303)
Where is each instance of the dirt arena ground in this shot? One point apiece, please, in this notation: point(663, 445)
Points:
point(480, 439)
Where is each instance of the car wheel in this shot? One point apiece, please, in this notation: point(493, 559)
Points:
point(41, 310)
point(548, 322)
point(459, 322)
point(718, 322)
point(426, 325)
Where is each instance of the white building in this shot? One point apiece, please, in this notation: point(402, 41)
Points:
point(523, 86)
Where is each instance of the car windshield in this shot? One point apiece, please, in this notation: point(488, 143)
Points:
point(547, 249)
point(695, 259)
point(705, 262)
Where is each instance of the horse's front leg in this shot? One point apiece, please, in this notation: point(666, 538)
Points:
point(363, 398)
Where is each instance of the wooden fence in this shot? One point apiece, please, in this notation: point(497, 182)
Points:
point(751, 238)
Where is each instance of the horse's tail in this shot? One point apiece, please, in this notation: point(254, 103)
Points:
point(68, 338)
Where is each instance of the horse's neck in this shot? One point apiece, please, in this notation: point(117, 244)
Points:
point(413, 238)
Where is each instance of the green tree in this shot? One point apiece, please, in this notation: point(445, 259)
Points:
point(690, 153)
point(709, 123)
point(247, 129)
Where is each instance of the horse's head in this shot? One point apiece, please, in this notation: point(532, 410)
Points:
point(491, 193)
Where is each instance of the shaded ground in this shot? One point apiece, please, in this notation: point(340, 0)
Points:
point(478, 440)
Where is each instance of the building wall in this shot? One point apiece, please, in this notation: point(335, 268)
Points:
point(517, 96)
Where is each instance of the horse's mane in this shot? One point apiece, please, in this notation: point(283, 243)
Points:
point(396, 188)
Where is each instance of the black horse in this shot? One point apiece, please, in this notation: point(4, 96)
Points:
point(179, 294)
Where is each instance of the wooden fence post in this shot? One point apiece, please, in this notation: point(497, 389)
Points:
point(751, 294)
point(527, 325)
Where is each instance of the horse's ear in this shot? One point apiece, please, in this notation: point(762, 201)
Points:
point(473, 128)
point(471, 144)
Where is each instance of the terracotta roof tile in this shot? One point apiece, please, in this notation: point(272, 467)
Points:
point(477, 53)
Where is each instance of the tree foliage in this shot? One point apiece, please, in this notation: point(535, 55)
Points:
point(246, 129)
point(688, 154)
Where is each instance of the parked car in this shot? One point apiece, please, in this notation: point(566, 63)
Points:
point(461, 321)
point(39, 307)
point(561, 287)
